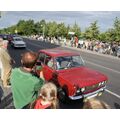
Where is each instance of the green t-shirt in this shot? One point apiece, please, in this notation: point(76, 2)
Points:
point(25, 87)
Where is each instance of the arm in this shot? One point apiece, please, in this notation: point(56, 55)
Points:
point(39, 84)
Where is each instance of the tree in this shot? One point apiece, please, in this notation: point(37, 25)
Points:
point(110, 35)
point(92, 32)
point(102, 37)
point(117, 29)
point(75, 28)
point(25, 27)
point(52, 27)
point(61, 30)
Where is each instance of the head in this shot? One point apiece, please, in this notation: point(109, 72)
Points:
point(48, 93)
point(95, 104)
point(29, 59)
point(3, 43)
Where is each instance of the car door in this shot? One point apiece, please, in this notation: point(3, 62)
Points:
point(48, 68)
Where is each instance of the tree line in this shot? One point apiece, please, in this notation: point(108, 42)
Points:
point(54, 29)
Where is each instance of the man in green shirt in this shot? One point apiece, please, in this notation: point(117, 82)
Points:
point(24, 83)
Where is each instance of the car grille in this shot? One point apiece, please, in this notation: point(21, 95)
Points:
point(90, 88)
point(20, 44)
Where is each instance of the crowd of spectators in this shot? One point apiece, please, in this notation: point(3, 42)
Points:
point(109, 48)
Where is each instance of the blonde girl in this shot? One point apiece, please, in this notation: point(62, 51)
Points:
point(47, 97)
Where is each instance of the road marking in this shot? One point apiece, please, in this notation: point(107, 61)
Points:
point(103, 67)
point(114, 94)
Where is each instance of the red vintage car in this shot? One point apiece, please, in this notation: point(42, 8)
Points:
point(67, 70)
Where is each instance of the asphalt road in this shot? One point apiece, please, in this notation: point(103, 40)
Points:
point(103, 63)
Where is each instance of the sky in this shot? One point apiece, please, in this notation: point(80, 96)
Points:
point(82, 18)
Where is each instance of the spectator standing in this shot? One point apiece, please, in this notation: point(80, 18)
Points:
point(24, 83)
point(64, 41)
point(76, 41)
point(5, 64)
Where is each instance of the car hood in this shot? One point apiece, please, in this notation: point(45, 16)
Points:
point(19, 42)
point(82, 76)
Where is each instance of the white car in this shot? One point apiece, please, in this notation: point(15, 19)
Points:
point(18, 42)
point(118, 52)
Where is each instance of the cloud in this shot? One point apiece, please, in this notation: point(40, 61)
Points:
point(82, 18)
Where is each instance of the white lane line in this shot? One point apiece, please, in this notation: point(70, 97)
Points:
point(103, 67)
point(114, 94)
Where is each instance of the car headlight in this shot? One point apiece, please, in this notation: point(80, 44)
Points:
point(82, 89)
point(78, 91)
point(102, 83)
point(105, 82)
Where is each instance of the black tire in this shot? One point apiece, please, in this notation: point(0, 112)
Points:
point(62, 95)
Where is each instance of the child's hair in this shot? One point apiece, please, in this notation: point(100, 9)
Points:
point(48, 93)
point(95, 104)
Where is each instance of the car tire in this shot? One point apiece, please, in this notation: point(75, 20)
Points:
point(62, 95)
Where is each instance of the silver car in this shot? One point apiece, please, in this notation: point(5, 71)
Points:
point(118, 52)
point(18, 42)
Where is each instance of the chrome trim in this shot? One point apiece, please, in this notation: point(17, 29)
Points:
point(88, 95)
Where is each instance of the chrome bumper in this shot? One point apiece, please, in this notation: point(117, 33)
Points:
point(89, 95)
point(17, 46)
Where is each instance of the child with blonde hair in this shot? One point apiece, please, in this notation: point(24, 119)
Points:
point(47, 97)
point(94, 103)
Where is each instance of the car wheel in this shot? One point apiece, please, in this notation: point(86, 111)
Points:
point(62, 95)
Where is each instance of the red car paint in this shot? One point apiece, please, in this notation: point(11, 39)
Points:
point(71, 78)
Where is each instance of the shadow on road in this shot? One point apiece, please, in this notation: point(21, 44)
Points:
point(6, 102)
point(117, 106)
point(1, 93)
point(77, 104)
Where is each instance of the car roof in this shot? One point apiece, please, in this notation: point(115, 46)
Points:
point(58, 52)
point(16, 37)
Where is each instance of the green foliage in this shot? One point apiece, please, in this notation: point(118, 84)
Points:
point(52, 27)
point(25, 27)
point(92, 32)
point(117, 29)
point(76, 29)
point(29, 27)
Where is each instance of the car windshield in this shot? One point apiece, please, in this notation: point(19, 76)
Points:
point(66, 62)
point(18, 39)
